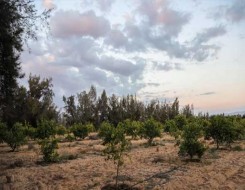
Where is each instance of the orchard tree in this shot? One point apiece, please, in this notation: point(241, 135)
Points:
point(190, 144)
point(14, 136)
point(151, 129)
point(116, 147)
point(222, 130)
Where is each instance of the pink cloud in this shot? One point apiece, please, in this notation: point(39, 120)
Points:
point(72, 23)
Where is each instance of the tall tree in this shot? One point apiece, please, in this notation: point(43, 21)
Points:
point(19, 22)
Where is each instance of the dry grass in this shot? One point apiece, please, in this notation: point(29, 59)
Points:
point(156, 167)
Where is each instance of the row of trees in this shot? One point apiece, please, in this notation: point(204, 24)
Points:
point(86, 107)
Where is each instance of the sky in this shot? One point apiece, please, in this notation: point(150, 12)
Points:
point(156, 49)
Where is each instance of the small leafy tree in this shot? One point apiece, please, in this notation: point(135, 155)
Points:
point(174, 131)
point(151, 129)
point(14, 136)
point(116, 147)
point(46, 129)
point(82, 131)
point(48, 149)
point(61, 130)
point(180, 121)
point(222, 130)
point(105, 132)
point(132, 128)
point(190, 144)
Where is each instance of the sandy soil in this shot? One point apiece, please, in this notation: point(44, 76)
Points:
point(157, 167)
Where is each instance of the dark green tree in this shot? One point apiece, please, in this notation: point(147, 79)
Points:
point(19, 21)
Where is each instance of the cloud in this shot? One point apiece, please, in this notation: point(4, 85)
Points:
point(103, 5)
point(158, 28)
point(73, 23)
point(236, 13)
point(207, 93)
point(49, 4)
point(167, 66)
point(200, 48)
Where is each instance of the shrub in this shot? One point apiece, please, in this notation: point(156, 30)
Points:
point(190, 144)
point(46, 129)
point(116, 147)
point(169, 124)
point(61, 130)
point(105, 132)
point(70, 138)
point(14, 136)
point(48, 149)
point(180, 121)
point(132, 128)
point(82, 131)
point(174, 130)
point(30, 131)
point(222, 130)
point(151, 129)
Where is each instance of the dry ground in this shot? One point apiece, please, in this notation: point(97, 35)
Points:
point(157, 167)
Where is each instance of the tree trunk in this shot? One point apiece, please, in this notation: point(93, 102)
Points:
point(117, 174)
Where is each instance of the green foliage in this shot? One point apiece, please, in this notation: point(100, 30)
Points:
point(151, 129)
point(46, 129)
point(70, 138)
point(222, 130)
point(174, 130)
point(105, 132)
point(82, 131)
point(132, 128)
point(14, 136)
point(180, 121)
point(116, 146)
point(19, 22)
point(190, 144)
point(48, 149)
point(61, 130)
point(239, 126)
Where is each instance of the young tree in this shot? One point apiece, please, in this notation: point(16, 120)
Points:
point(132, 128)
point(82, 130)
point(151, 129)
point(116, 147)
point(222, 130)
point(190, 144)
point(46, 129)
point(48, 149)
point(14, 136)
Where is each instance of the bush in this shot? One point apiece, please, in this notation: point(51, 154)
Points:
point(46, 129)
point(70, 138)
point(222, 130)
point(132, 128)
point(30, 131)
point(105, 132)
point(180, 121)
point(48, 149)
point(61, 130)
point(14, 136)
point(174, 130)
point(151, 129)
point(190, 144)
point(82, 131)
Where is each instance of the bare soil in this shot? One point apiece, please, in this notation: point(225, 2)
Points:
point(157, 167)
